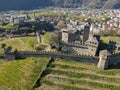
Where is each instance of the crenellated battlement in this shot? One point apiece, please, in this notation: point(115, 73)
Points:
point(106, 59)
point(73, 56)
point(115, 54)
point(113, 46)
point(52, 53)
point(111, 41)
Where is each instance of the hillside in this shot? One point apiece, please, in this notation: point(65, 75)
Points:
point(107, 4)
point(69, 75)
point(21, 74)
point(59, 74)
point(25, 43)
point(30, 4)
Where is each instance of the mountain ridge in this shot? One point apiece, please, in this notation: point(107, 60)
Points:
point(30, 4)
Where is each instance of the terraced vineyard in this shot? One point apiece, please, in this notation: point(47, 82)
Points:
point(69, 75)
point(21, 74)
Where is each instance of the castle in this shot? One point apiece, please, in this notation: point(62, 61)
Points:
point(78, 44)
point(106, 59)
point(110, 56)
point(80, 41)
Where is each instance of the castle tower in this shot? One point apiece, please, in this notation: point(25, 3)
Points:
point(33, 16)
point(65, 36)
point(38, 37)
point(86, 33)
point(93, 44)
point(103, 60)
point(27, 16)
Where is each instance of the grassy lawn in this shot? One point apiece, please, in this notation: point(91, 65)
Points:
point(21, 74)
point(70, 75)
point(106, 39)
point(21, 43)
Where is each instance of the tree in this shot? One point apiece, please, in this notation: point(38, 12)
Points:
point(40, 47)
point(61, 24)
point(105, 19)
point(9, 48)
point(3, 45)
point(33, 27)
point(31, 43)
point(50, 38)
point(118, 33)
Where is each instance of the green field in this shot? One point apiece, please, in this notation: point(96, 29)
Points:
point(21, 74)
point(21, 43)
point(106, 39)
point(69, 75)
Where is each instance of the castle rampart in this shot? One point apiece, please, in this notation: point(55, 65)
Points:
point(103, 61)
point(106, 59)
point(75, 57)
point(114, 59)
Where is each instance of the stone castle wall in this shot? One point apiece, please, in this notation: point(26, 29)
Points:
point(75, 57)
point(106, 59)
point(114, 59)
point(80, 49)
point(103, 61)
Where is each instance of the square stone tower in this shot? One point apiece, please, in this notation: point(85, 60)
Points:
point(103, 59)
point(65, 36)
point(39, 37)
point(86, 32)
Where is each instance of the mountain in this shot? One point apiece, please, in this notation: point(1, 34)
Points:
point(30, 4)
point(23, 4)
point(106, 4)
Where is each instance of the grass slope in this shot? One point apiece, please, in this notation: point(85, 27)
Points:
point(107, 38)
point(69, 75)
point(21, 43)
point(21, 74)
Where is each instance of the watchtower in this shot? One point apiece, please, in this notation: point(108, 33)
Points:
point(65, 36)
point(103, 60)
point(86, 33)
point(93, 44)
point(113, 46)
point(39, 37)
